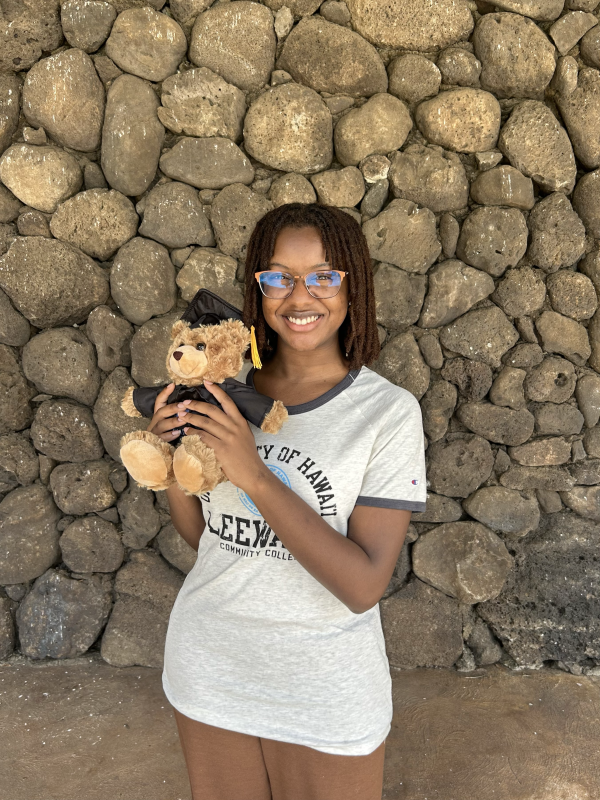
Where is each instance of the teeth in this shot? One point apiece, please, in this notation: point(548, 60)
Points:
point(303, 320)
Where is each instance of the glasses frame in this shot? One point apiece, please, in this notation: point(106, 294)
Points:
point(297, 278)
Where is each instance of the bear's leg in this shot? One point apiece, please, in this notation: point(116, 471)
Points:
point(196, 467)
point(148, 459)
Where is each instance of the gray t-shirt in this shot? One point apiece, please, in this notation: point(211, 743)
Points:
point(256, 644)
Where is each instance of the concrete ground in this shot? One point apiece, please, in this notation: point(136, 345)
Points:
point(82, 730)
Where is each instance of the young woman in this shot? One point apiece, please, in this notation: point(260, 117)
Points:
point(275, 659)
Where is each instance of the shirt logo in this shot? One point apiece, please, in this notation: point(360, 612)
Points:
point(247, 502)
point(415, 482)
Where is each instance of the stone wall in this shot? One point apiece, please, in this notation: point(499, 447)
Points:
point(139, 143)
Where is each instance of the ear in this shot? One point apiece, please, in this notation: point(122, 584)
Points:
point(234, 334)
point(229, 340)
point(179, 327)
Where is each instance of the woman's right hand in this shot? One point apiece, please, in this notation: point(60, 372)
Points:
point(165, 423)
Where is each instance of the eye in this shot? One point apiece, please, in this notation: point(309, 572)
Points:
point(200, 346)
point(180, 344)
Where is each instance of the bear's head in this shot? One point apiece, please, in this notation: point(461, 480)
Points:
point(206, 352)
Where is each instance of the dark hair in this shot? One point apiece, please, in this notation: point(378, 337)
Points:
point(346, 249)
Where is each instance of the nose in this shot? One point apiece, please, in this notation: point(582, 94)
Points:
point(177, 355)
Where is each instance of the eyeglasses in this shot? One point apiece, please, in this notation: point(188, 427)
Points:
point(321, 284)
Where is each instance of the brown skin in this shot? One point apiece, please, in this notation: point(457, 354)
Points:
point(308, 362)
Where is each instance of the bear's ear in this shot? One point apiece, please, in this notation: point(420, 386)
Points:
point(178, 328)
point(228, 342)
point(233, 335)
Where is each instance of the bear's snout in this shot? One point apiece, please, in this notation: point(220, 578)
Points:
point(177, 355)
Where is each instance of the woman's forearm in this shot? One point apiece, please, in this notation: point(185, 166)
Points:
point(186, 515)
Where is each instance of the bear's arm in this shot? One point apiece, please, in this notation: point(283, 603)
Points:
point(257, 408)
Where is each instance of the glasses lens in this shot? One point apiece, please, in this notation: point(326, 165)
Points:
point(325, 283)
point(276, 284)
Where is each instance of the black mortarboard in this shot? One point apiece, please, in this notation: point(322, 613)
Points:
point(207, 308)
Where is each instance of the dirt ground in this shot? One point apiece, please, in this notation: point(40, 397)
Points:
point(83, 730)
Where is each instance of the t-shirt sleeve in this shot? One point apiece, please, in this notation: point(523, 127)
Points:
point(395, 474)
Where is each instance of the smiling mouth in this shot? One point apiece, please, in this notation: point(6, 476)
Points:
point(304, 320)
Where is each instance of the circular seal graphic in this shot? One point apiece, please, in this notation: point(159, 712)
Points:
point(246, 500)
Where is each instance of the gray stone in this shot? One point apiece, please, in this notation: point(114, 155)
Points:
point(593, 331)
point(465, 560)
point(557, 234)
point(81, 488)
point(484, 645)
point(439, 509)
point(284, 22)
point(210, 163)
point(236, 40)
point(7, 628)
point(173, 216)
point(557, 420)
point(92, 544)
point(564, 336)
point(493, 239)
point(14, 328)
point(549, 501)
point(484, 334)
point(589, 48)
point(30, 223)
point(106, 69)
point(473, 378)
point(504, 510)
point(66, 431)
point(551, 381)
point(375, 168)
point(521, 292)
point(329, 58)
point(503, 186)
point(459, 467)
point(28, 534)
point(374, 200)
point(545, 478)
point(200, 103)
point(62, 361)
point(97, 221)
point(19, 464)
point(536, 9)
point(507, 389)
point(403, 235)
point(273, 135)
point(146, 43)
point(586, 202)
point(453, 289)
point(569, 29)
point(430, 178)
point(15, 394)
point(235, 212)
point(141, 520)
point(41, 177)
point(449, 233)
point(27, 29)
point(580, 111)
point(413, 78)
point(586, 472)
point(132, 135)
point(291, 188)
point(591, 442)
point(93, 177)
point(209, 269)
point(176, 550)
point(64, 95)
point(496, 423)
point(335, 11)
point(572, 294)
point(437, 407)
point(537, 145)
point(142, 280)
point(61, 617)
point(379, 126)
point(542, 452)
point(459, 67)
point(431, 351)
point(9, 205)
point(466, 120)
point(149, 348)
point(10, 107)
point(87, 23)
point(401, 363)
point(398, 296)
point(340, 187)
point(588, 398)
point(517, 58)
point(186, 11)
point(111, 420)
point(111, 334)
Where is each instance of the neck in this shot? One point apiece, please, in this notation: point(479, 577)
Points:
point(307, 366)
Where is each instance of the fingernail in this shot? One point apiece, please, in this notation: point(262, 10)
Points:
point(175, 433)
point(208, 383)
point(180, 405)
point(185, 430)
point(181, 413)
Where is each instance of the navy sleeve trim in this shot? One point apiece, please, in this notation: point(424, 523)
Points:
point(383, 502)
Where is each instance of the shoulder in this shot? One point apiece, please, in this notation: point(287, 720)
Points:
point(381, 402)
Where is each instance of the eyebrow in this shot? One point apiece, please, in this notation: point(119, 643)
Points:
point(277, 264)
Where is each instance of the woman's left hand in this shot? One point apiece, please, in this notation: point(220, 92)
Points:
point(227, 433)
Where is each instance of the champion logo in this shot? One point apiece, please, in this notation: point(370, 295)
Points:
point(415, 482)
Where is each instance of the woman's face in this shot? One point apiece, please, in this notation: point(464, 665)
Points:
point(299, 251)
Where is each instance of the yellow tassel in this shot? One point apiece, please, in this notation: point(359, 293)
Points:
point(254, 350)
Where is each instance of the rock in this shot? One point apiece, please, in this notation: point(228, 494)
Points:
point(208, 268)
point(552, 381)
point(569, 29)
point(586, 202)
point(413, 78)
point(459, 467)
point(580, 111)
point(329, 58)
point(591, 441)
point(173, 216)
point(549, 501)
point(542, 452)
point(465, 560)
point(291, 188)
point(146, 43)
point(61, 617)
point(14, 328)
point(453, 289)
point(81, 488)
point(521, 292)
point(374, 200)
point(473, 378)
point(41, 177)
point(517, 58)
point(7, 628)
point(132, 135)
point(335, 11)
point(289, 128)
point(593, 331)
point(507, 389)
point(97, 221)
point(10, 106)
point(465, 120)
point(572, 294)
point(106, 69)
point(557, 558)
point(459, 67)
point(503, 510)
point(430, 178)
point(28, 534)
point(403, 235)
point(398, 296)
point(449, 233)
point(141, 521)
point(431, 351)
point(300, 8)
point(207, 163)
point(439, 509)
point(87, 23)
point(564, 336)
point(589, 48)
point(66, 431)
point(235, 212)
point(149, 347)
point(62, 361)
point(176, 550)
point(64, 95)
point(437, 406)
point(9, 205)
point(236, 41)
point(379, 126)
point(375, 168)
point(503, 186)
point(339, 187)
point(30, 223)
point(111, 420)
point(284, 22)
point(583, 500)
point(536, 9)
point(419, 607)
point(483, 644)
point(111, 334)
point(545, 478)
point(537, 145)
point(493, 239)
point(557, 233)
point(92, 544)
point(411, 24)
point(19, 464)
point(586, 472)
point(588, 398)
point(15, 394)
point(497, 424)
point(401, 363)
point(28, 28)
point(185, 11)
point(483, 335)
point(557, 420)
point(93, 177)
point(200, 103)
point(142, 280)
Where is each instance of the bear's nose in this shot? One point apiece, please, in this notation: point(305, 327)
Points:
point(177, 355)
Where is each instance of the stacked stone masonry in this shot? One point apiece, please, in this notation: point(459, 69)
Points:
point(140, 140)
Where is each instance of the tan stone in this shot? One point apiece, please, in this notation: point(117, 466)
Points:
point(466, 120)
point(403, 235)
point(42, 177)
point(207, 268)
point(379, 126)
point(430, 178)
point(503, 186)
point(453, 289)
point(580, 111)
point(542, 452)
point(413, 78)
point(291, 188)
point(343, 187)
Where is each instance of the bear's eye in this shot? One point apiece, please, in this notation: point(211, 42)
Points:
point(180, 344)
point(200, 346)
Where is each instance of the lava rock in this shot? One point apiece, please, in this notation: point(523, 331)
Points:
point(473, 378)
point(589, 48)
point(176, 550)
point(207, 163)
point(493, 239)
point(398, 296)
point(111, 420)
point(557, 420)
point(111, 334)
point(27, 29)
point(379, 126)
point(141, 520)
point(564, 336)
point(403, 235)
point(484, 334)
point(588, 398)
point(10, 107)
point(466, 120)
point(521, 292)
point(459, 67)
point(92, 544)
point(401, 363)
point(291, 188)
point(504, 510)
point(453, 289)
point(544, 478)
point(173, 216)
point(439, 509)
point(15, 394)
point(586, 202)
point(542, 452)
point(496, 423)
point(234, 214)
point(430, 178)
point(81, 488)
point(503, 186)
point(142, 280)
point(208, 268)
point(551, 381)
point(86, 24)
point(569, 29)
point(340, 187)
point(66, 431)
point(557, 233)
point(507, 389)
point(413, 78)
point(19, 464)
point(437, 406)
point(149, 347)
point(14, 328)
point(459, 467)
point(41, 177)
point(9, 205)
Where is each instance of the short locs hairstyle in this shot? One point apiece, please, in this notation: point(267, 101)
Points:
point(346, 249)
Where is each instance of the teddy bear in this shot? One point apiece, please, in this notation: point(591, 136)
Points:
point(208, 343)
